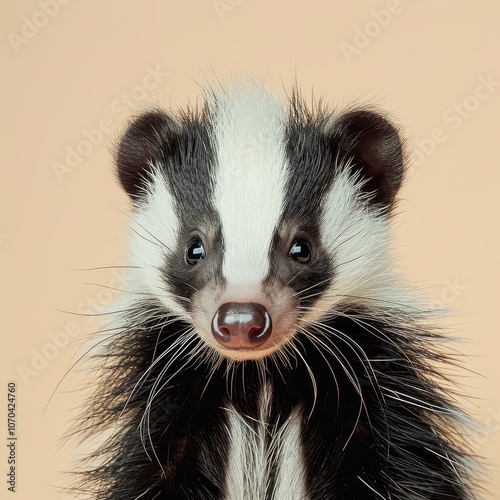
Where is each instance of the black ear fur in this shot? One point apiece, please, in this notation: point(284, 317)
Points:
point(374, 146)
point(151, 136)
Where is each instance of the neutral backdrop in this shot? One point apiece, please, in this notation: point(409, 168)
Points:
point(74, 72)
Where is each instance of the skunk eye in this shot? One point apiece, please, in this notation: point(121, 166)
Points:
point(195, 252)
point(300, 252)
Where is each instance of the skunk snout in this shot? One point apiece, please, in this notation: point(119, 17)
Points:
point(239, 325)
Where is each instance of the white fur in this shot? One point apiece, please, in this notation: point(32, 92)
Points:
point(250, 179)
point(250, 459)
point(358, 241)
point(290, 484)
point(155, 226)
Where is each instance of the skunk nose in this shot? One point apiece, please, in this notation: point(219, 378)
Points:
point(241, 325)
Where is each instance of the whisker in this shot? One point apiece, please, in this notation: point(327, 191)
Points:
point(161, 244)
point(311, 375)
point(294, 276)
point(72, 366)
point(100, 285)
point(299, 294)
point(104, 267)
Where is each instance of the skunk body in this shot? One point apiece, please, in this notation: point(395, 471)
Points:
point(266, 350)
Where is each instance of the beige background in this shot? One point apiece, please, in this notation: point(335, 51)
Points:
point(72, 70)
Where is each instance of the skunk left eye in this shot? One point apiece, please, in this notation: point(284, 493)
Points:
point(195, 252)
point(300, 252)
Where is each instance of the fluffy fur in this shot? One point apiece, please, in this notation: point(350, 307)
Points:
point(345, 400)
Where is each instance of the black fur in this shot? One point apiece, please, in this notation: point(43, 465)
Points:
point(404, 443)
point(380, 421)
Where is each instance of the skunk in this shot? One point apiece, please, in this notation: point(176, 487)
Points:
point(266, 348)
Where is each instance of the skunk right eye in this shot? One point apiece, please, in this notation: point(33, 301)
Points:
point(301, 252)
point(195, 252)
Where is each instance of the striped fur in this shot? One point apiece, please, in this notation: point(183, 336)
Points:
point(345, 399)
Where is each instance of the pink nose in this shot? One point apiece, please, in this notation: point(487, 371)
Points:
point(241, 325)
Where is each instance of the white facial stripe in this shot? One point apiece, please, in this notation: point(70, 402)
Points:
point(250, 183)
point(155, 227)
point(358, 242)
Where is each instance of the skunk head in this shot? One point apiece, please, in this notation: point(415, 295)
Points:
point(253, 220)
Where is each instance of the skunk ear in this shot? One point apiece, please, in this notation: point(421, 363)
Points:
point(149, 139)
point(373, 146)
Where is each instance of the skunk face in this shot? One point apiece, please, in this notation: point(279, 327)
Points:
point(266, 350)
point(255, 220)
